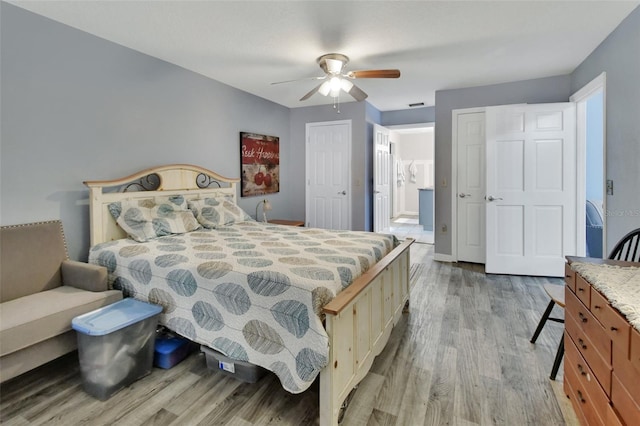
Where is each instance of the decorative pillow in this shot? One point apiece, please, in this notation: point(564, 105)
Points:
point(144, 220)
point(218, 211)
point(178, 202)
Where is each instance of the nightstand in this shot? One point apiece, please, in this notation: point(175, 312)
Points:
point(286, 222)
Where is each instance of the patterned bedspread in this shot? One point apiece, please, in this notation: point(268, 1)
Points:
point(251, 291)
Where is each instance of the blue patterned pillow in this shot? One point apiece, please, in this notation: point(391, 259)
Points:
point(218, 211)
point(144, 220)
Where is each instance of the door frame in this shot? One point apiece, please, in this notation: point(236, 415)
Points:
point(307, 168)
point(580, 97)
point(454, 177)
point(399, 128)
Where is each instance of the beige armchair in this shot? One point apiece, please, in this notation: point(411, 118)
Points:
point(41, 291)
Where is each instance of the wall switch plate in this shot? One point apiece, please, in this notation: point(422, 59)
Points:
point(609, 187)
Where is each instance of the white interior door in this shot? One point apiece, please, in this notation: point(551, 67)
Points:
point(531, 188)
point(381, 179)
point(470, 134)
point(328, 160)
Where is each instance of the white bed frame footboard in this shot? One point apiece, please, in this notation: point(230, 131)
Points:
point(358, 321)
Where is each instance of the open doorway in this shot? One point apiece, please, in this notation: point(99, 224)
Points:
point(412, 194)
point(590, 102)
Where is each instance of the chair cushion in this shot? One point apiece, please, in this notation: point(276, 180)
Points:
point(30, 257)
point(38, 317)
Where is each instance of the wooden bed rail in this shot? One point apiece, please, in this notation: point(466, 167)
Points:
point(343, 298)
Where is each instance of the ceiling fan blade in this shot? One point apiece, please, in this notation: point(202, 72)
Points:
point(311, 92)
point(357, 93)
point(300, 79)
point(374, 74)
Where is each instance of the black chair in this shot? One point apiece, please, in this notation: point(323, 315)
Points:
point(556, 293)
point(628, 249)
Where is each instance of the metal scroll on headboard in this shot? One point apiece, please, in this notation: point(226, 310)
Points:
point(151, 182)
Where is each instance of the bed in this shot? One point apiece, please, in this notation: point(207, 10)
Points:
point(300, 302)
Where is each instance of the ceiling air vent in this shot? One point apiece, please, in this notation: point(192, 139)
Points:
point(417, 104)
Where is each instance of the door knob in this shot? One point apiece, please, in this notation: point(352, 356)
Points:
point(462, 195)
point(492, 198)
point(343, 193)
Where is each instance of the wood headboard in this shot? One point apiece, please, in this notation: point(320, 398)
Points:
point(190, 181)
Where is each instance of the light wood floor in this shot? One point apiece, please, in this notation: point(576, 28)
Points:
point(460, 357)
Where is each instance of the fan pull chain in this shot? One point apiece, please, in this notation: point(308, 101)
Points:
point(336, 104)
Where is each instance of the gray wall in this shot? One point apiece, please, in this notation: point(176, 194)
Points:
point(76, 107)
point(408, 116)
point(550, 89)
point(354, 111)
point(619, 57)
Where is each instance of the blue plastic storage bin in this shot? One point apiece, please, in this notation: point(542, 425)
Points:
point(115, 345)
point(170, 350)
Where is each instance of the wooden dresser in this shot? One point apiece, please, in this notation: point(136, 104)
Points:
point(602, 354)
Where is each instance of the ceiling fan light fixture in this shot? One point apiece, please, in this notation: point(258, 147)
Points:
point(336, 80)
point(335, 85)
point(325, 88)
point(346, 85)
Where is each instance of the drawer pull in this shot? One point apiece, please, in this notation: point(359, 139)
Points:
point(614, 329)
point(567, 276)
point(582, 317)
point(582, 345)
point(596, 307)
point(580, 289)
point(580, 397)
point(581, 370)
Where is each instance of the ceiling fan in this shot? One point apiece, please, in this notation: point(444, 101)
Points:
point(336, 79)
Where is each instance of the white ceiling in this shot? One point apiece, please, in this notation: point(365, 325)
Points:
point(436, 44)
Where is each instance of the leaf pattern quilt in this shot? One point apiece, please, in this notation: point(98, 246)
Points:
point(251, 291)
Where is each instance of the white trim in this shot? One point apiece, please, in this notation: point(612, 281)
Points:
point(412, 128)
point(349, 155)
point(590, 88)
point(580, 98)
point(453, 185)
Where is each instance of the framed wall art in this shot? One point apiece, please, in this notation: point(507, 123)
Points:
point(260, 164)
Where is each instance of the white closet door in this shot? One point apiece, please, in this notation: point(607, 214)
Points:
point(531, 188)
point(471, 187)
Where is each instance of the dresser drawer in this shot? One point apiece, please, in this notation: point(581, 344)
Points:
point(626, 373)
point(634, 351)
point(623, 403)
point(600, 368)
point(588, 325)
point(612, 418)
point(583, 290)
point(570, 277)
point(571, 394)
point(598, 303)
point(580, 399)
point(616, 326)
point(585, 376)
